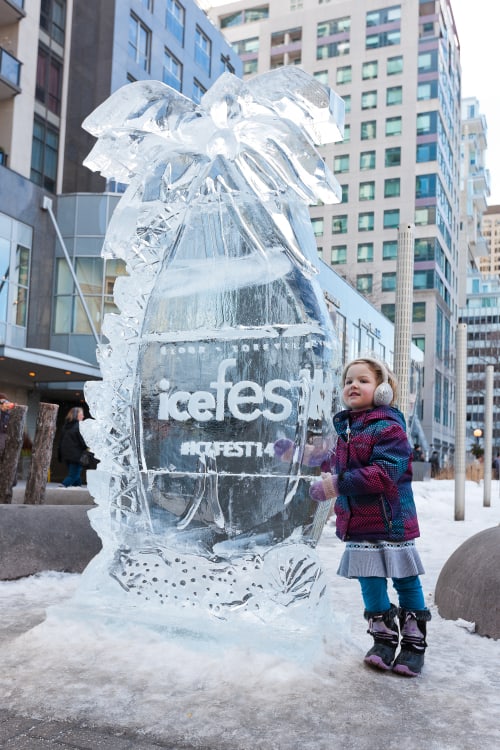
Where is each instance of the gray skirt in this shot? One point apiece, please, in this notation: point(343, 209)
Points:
point(380, 559)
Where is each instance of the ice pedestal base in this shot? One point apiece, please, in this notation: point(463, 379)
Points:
point(271, 599)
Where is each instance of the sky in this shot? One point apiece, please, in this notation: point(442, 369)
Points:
point(246, 698)
point(477, 24)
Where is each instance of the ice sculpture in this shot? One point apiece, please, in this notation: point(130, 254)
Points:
point(223, 345)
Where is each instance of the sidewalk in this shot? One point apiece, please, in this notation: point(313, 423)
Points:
point(24, 733)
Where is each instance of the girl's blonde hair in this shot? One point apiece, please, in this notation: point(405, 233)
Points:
point(381, 371)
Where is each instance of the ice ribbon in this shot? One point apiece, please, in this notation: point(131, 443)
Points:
point(264, 130)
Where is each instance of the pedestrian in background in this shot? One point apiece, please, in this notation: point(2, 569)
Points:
point(71, 447)
point(5, 407)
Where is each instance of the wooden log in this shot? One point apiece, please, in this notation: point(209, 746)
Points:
point(41, 454)
point(12, 452)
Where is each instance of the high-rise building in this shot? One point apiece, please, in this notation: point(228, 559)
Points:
point(481, 314)
point(490, 228)
point(397, 67)
point(474, 192)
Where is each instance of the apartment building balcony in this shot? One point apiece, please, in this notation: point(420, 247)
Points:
point(11, 11)
point(10, 75)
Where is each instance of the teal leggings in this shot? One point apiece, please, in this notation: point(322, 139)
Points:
point(376, 598)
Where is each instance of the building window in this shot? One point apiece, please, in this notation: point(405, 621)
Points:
point(44, 154)
point(16, 240)
point(344, 74)
point(347, 103)
point(339, 224)
point(382, 16)
point(225, 64)
point(341, 164)
point(392, 188)
point(139, 43)
point(389, 282)
point(345, 193)
point(336, 26)
point(368, 130)
point(369, 70)
point(175, 19)
point(347, 133)
point(389, 310)
point(317, 225)
point(366, 191)
point(53, 19)
point(390, 250)
point(334, 49)
point(418, 312)
point(428, 61)
point(322, 77)
point(244, 16)
point(391, 218)
point(393, 126)
point(172, 70)
point(250, 66)
point(365, 252)
point(198, 91)
point(367, 160)
point(394, 95)
point(425, 186)
point(426, 152)
point(393, 157)
point(383, 39)
point(425, 216)
point(339, 254)
point(49, 80)
point(427, 90)
point(423, 280)
point(364, 283)
point(394, 65)
point(202, 50)
point(96, 277)
point(366, 221)
point(426, 123)
point(419, 341)
point(368, 100)
point(246, 46)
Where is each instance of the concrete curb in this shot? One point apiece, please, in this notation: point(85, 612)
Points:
point(55, 495)
point(36, 538)
point(468, 586)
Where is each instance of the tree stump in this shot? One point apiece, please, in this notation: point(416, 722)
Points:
point(41, 454)
point(12, 452)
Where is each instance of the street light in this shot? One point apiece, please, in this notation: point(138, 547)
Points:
point(477, 434)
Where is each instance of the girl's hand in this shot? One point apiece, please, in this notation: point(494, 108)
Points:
point(324, 489)
point(283, 449)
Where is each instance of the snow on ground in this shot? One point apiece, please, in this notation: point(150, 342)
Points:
point(243, 699)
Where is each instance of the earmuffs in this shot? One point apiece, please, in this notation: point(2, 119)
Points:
point(383, 393)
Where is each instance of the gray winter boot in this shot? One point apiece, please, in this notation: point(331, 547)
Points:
point(384, 629)
point(410, 659)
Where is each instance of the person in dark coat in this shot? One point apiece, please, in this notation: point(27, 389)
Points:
point(5, 407)
point(71, 447)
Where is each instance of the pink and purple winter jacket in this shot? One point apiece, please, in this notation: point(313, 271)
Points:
point(373, 464)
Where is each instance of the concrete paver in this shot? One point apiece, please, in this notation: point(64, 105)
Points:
point(24, 733)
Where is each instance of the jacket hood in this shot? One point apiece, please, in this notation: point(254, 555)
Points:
point(360, 419)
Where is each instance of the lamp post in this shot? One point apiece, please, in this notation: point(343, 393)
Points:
point(477, 434)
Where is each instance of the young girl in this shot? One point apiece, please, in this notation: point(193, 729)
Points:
point(370, 476)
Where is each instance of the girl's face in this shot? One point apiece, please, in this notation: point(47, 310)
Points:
point(359, 387)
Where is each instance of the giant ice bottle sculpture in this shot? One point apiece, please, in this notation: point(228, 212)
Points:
point(223, 346)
